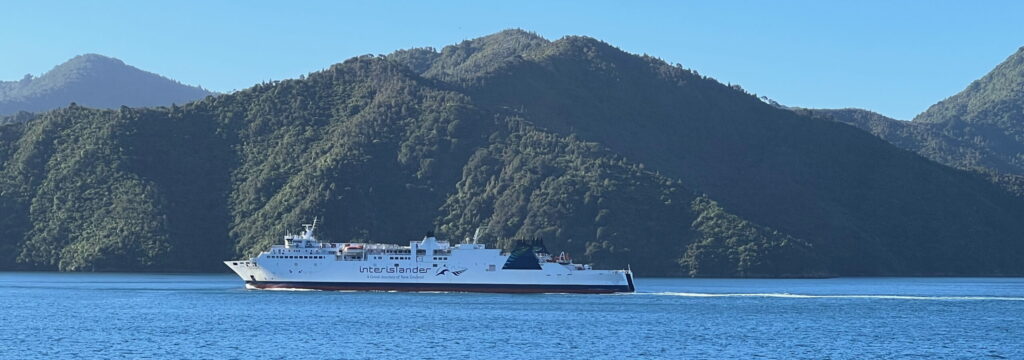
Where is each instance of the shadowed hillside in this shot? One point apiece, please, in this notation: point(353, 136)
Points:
point(618, 158)
point(981, 128)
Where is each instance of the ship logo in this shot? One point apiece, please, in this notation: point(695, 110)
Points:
point(453, 272)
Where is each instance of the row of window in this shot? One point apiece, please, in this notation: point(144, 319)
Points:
point(393, 257)
point(321, 257)
point(409, 257)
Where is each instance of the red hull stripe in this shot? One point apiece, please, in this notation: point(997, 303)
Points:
point(488, 288)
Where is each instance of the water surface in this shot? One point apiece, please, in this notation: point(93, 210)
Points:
point(72, 315)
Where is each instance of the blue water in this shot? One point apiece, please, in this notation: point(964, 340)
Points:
point(61, 315)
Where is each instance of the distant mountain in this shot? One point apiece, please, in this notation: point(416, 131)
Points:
point(21, 116)
point(996, 100)
point(981, 128)
point(95, 81)
point(929, 140)
point(617, 158)
point(989, 114)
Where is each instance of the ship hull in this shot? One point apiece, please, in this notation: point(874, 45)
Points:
point(422, 266)
point(446, 287)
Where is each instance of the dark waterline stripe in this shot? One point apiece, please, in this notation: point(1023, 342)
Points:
point(487, 288)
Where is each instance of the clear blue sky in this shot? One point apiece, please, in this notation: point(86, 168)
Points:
point(894, 57)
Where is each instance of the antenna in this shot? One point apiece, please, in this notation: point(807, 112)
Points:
point(309, 228)
point(476, 235)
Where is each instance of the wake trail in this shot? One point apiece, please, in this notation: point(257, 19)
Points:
point(807, 296)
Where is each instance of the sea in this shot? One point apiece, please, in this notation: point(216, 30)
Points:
point(212, 316)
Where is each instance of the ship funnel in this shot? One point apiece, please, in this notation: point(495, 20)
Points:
point(428, 245)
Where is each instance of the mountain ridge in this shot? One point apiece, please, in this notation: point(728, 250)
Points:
point(981, 128)
point(97, 81)
point(619, 158)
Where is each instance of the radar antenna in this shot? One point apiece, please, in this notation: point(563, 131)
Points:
point(476, 235)
point(310, 228)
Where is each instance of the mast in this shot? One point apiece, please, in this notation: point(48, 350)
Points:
point(309, 228)
point(476, 235)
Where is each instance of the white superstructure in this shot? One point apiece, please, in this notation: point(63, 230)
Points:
point(303, 262)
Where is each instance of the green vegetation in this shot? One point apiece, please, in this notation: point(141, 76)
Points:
point(729, 245)
point(979, 129)
point(616, 158)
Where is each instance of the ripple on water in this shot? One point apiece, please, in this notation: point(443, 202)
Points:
point(213, 316)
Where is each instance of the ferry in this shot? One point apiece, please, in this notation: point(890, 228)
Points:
point(303, 262)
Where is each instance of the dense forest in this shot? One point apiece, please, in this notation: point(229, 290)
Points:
point(96, 81)
point(617, 158)
point(981, 128)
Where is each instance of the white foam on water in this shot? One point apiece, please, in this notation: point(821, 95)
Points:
point(280, 289)
point(805, 296)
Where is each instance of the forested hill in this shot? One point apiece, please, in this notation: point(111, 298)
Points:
point(981, 128)
point(989, 113)
point(997, 99)
point(928, 139)
point(96, 81)
point(617, 158)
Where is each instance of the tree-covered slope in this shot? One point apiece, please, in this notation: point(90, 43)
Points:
point(987, 118)
point(980, 129)
point(854, 196)
point(377, 151)
point(926, 139)
point(95, 81)
point(997, 99)
point(617, 158)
